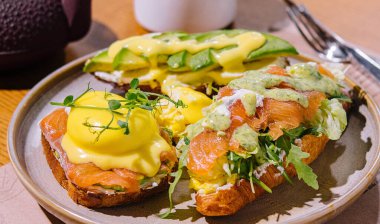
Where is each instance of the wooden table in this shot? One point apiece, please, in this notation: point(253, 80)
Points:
point(354, 20)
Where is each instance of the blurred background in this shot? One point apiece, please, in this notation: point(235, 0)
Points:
point(354, 20)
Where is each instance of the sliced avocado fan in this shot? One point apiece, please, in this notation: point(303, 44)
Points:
point(183, 60)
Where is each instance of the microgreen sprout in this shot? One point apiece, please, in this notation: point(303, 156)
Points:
point(134, 98)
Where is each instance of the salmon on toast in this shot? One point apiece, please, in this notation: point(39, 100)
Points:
point(99, 151)
point(261, 130)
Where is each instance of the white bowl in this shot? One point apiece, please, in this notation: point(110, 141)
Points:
point(184, 15)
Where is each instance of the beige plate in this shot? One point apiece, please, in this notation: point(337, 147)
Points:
point(344, 170)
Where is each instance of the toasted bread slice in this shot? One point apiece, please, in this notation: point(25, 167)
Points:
point(95, 199)
point(229, 201)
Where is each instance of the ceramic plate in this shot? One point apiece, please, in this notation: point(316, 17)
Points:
point(344, 169)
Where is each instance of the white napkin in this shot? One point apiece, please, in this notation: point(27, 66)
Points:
point(18, 206)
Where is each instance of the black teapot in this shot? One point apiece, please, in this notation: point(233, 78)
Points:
point(31, 30)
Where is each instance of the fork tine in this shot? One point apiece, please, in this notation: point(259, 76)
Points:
point(312, 21)
point(324, 34)
point(314, 33)
point(326, 43)
point(310, 28)
point(303, 32)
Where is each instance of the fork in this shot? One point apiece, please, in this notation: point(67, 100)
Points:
point(326, 43)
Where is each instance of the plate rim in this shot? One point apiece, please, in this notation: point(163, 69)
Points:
point(61, 212)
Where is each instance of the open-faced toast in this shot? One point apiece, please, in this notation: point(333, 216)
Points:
point(134, 171)
point(95, 199)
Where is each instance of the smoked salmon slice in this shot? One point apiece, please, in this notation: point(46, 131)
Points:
point(205, 149)
point(86, 175)
point(276, 115)
point(54, 125)
point(238, 115)
point(282, 115)
point(288, 114)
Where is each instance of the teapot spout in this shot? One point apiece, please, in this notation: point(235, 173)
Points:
point(78, 15)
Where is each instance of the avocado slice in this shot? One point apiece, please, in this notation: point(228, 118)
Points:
point(202, 60)
point(100, 62)
point(121, 58)
point(126, 60)
point(178, 62)
point(273, 47)
point(205, 59)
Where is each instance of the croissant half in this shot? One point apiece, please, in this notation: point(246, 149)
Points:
point(229, 201)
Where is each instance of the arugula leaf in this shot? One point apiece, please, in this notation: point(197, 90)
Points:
point(295, 132)
point(177, 176)
point(272, 153)
point(284, 142)
point(304, 171)
point(244, 167)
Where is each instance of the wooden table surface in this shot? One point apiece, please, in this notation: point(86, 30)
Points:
point(354, 20)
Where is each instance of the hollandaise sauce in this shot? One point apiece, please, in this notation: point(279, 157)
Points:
point(138, 151)
point(239, 47)
point(179, 62)
point(251, 90)
point(216, 56)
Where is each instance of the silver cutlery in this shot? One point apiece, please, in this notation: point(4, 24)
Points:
point(328, 44)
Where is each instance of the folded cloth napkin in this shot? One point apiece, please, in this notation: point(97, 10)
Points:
point(18, 206)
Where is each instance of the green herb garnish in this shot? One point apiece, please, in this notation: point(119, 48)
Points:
point(134, 98)
point(253, 179)
point(304, 171)
point(177, 176)
point(244, 167)
point(273, 150)
point(284, 142)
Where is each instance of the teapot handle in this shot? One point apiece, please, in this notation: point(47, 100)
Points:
point(78, 14)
